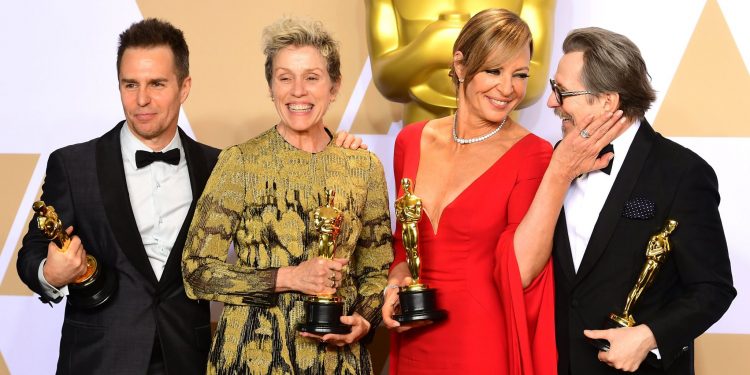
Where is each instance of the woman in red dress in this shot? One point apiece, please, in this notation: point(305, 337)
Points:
point(484, 240)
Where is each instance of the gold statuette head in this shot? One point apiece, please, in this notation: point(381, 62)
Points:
point(408, 206)
point(50, 224)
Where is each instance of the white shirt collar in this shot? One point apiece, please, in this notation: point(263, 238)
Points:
point(622, 144)
point(129, 144)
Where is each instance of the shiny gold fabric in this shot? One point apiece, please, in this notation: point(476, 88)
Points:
point(261, 196)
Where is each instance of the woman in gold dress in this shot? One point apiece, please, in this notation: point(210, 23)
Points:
point(262, 196)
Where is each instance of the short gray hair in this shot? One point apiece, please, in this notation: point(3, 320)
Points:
point(613, 63)
point(298, 32)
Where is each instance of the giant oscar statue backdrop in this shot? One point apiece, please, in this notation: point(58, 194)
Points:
point(411, 47)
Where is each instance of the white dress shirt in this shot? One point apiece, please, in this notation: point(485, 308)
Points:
point(160, 196)
point(587, 194)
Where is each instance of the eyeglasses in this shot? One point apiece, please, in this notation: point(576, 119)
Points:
point(560, 95)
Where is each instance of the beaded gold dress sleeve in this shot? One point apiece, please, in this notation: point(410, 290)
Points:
point(260, 198)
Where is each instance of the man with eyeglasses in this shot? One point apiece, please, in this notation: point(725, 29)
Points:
point(609, 216)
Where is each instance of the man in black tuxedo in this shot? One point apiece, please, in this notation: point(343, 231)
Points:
point(609, 216)
point(133, 217)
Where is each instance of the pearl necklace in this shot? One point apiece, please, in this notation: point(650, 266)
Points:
point(465, 141)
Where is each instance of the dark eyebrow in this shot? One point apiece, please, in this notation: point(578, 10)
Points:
point(155, 80)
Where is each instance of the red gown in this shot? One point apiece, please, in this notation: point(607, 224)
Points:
point(494, 326)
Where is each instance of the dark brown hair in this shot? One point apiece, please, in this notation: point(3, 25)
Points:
point(153, 32)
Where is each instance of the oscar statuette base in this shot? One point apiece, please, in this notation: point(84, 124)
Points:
point(93, 291)
point(602, 344)
point(620, 321)
point(418, 304)
point(322, 316)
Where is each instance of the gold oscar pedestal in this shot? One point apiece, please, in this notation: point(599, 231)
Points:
point(417, 301)
point(97, 285)
point(323, 312)
point(322, 316)
point(656, 254)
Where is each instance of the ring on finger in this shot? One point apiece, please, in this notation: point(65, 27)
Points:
point(585, 134)
point(333, 283)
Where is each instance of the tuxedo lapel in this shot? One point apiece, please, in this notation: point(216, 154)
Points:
point(612, 210)
point(114, 191)
point(197, 164)
point(562, 247)
point(199, 171)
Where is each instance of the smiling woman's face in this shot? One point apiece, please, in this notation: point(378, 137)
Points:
point(301, 88)
point(494, 92)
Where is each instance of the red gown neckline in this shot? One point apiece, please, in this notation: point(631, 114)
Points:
point(434, 230)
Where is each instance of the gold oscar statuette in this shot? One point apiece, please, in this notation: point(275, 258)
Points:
point(657, 250)
point(93, 287)
point(416, 300)
point(322, 312)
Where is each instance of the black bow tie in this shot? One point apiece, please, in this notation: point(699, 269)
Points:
point(144, 158)
point(606, 149)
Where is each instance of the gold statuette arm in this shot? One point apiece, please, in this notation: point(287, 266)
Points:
point(217, 218)
point(374, 252)
point(398, 65)
point(540, 15)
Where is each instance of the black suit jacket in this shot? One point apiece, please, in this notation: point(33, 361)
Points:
point(86, 185)
point(692, 290)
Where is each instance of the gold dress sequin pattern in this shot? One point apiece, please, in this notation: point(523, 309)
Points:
point(261, 197)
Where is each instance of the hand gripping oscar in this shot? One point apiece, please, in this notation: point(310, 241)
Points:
point(416, 300)
point(96, 285)
point(656, 254)
point(322, 312)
